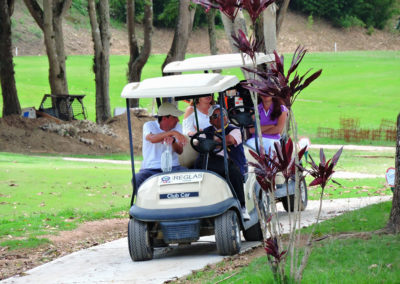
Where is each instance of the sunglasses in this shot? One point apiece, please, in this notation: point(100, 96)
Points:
point(215, 116)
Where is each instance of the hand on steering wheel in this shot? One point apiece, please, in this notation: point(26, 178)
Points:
point(242, 116)
point(205, 145)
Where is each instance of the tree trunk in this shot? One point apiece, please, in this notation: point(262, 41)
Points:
point(212, 37)
point(232, 28)
point(269, 17)
point(138, 58)
point(49, 19)
point(281, 15)
point(182, 33)
point(100, 22)
point(9, 91)
point(394, 219)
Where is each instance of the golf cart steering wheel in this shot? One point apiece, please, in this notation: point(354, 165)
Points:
point(204, 145)
point(242, 116)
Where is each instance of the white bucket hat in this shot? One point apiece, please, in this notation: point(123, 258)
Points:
point(169, 109)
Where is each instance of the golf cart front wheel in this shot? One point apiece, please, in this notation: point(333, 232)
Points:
point(303, 199)
point(227, 233)
point(139, 241)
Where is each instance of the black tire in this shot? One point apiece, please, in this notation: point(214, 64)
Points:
point(303, 200)
point(227, 233)
point(254, 233)
point(139, 241)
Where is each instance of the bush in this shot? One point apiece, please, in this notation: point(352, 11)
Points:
point(348, 13)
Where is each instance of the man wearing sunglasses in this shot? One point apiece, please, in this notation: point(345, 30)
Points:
point(236, 158)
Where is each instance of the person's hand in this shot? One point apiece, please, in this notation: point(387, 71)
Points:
point(169, 140)
point(181, 139)
point(217, 139)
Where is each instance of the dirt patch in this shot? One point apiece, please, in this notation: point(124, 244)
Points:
point(16, 262)
point(41, 135)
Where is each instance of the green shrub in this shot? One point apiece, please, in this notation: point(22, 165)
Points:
point(310, 21)
point(350, 21)
point(370, 30)
point(347, 13)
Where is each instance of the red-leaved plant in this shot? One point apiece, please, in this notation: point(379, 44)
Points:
point(247, 46)
point(322, 173)
point(274, 82)
point(272, 249)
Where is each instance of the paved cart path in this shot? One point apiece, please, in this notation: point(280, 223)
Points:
point(110, 262)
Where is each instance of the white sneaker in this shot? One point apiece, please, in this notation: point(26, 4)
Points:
point(245, 214)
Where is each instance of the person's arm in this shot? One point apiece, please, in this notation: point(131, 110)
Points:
point(273, 128)
point(234, 138)
point(160, 137)
point(189, 110)
point(188, 125)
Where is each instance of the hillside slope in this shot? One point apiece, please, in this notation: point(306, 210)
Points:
point(321, 36)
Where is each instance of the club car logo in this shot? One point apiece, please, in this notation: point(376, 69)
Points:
point(165, 179)
point(180, 178)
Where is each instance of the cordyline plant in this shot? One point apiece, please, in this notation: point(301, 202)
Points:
point(274, 83)
point(322, 174)
point(267, 167)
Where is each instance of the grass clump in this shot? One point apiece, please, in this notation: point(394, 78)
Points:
point(26, 243)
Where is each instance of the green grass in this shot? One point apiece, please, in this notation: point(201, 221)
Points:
point(367, 162)
point(28, 243)
point(42, 194)
point(362, 85)
point(369, 260)
point(350, 188)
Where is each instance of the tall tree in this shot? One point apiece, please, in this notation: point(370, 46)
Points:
point(138, 56)
point(232, 27)
point(212, 37)
point(9, 91)
point(183, 29)
point(99, 14)
point(49, 19)
point(393, 225)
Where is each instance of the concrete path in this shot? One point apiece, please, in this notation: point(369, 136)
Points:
point(354, 147)
point(111, 263)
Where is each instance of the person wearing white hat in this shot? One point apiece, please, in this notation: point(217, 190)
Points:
point(157, 133)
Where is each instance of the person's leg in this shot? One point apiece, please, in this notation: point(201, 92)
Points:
point(236, 178)
point(269, 144)
point(144, 174)
point(179, 168)
point(251, 143)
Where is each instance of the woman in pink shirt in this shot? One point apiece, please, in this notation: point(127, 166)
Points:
point(273, 114)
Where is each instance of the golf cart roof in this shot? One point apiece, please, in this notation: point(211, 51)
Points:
point(215, 62)
point(179, 86)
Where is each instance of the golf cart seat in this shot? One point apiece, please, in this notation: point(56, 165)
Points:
point(188, 156)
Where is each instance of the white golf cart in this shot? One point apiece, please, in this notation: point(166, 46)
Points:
point(179, 207)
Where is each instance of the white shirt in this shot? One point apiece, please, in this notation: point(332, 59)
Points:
point(189, 123)
point(152, 151)
point(237, 135)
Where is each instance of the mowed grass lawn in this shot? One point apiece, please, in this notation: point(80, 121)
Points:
point(362, 84)
point(44, 194)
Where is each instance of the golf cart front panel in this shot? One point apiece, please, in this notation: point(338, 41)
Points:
point(183, 189)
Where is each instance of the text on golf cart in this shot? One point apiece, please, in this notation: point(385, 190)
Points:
point(180, 178)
